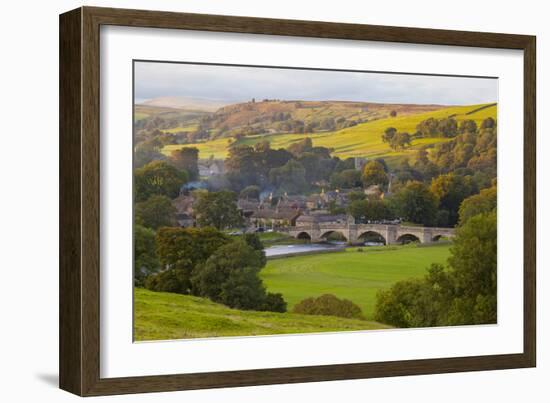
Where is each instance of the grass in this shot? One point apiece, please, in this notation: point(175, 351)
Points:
point(166, 316)
point(362, 140)
point(354, 275)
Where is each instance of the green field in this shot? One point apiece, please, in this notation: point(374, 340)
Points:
point(165, 316)
point(363, 140)
point(354, 275)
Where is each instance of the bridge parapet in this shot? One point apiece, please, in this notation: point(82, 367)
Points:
point(392, 233)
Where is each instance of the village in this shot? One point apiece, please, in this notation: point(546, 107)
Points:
point(276, 213)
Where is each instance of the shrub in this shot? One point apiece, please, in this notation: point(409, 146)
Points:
point(330, 305)
point(274, 302)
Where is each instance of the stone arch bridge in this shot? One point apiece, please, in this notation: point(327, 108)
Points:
point(390, 234)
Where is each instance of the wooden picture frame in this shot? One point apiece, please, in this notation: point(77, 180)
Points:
point(80, 199)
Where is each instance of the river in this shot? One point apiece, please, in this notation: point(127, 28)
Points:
point(278, 250)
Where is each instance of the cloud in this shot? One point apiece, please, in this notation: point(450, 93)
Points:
point(236, 84)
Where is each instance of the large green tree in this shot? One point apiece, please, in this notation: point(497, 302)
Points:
point(484, 202)
point(290, 178)
point(465, 293)
point(369, 210)
point(451, 190)
point(416, 203)
point(180, 251)
point(158, 178)
point(217, 209)
point(145, 256)
point(346, 179)
point(231, 276)
point(155, 212)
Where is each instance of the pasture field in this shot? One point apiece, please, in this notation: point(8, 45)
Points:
point(166, 316)
point(353, 275)
point(363, 140)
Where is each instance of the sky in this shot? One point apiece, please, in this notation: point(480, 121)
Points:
point(231, 84)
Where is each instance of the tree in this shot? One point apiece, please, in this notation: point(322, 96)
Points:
point(447, 127)
point(368, 210)
point(186, 159)
point(488, 123)
point(217, 209)
point(468, 126)
point(158, 178)
point(374, 174)
point(145, 257)
point(400, 141)
point(393, 114)
point(416, 203)
point(243, 289)
point(346, 179)
point(427, 128)
point(289, 178)
point(155, 212)
point(180, 251)
point(231, 276)
point(242, 166)
point(451, 190)
point(484, 202)
point(147, 151)
point(462, 294)
point(301, 147)
point(250, 192)
point(388, 135)
point(474, 264)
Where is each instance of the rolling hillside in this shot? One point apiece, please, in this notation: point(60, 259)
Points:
point(165, 316)
point(362, 140)
point(269, 113)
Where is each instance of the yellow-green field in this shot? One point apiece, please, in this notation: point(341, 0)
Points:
point(363, 140)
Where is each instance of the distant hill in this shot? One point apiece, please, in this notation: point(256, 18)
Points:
point(188, 103)
point(360, 140)
point(276, 116)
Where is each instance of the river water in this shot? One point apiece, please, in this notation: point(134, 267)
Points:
point(278, 250)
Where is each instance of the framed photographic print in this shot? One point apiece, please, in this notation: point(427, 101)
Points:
point(250, 201)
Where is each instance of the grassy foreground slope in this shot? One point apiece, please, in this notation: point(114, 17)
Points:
point(363, 140)
point(166, 316)
point(354, 275)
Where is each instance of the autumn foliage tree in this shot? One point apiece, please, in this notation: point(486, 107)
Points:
point(374, 174)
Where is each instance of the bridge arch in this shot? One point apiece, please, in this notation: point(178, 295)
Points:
point(334, 233)
point(372, 236)
point(304, 236)
point(407, 238)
